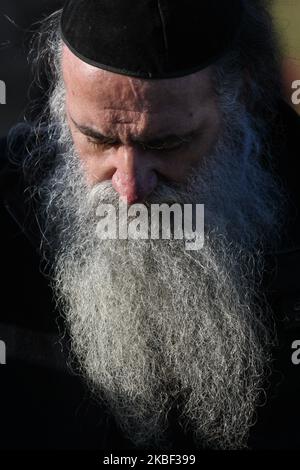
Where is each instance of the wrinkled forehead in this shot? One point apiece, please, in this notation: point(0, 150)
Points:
point(91, 90)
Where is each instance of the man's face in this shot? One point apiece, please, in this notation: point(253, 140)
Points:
point(135, 132)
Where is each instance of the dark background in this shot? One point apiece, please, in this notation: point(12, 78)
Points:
point(17, 18)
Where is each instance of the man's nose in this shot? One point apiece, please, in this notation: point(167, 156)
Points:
point(135, 177)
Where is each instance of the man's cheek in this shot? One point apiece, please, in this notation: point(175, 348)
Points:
point(84, 149)
point(96, 168)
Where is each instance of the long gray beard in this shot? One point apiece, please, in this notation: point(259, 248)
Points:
point(152, 323)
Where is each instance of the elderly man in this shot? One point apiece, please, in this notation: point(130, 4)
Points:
point(141, 343)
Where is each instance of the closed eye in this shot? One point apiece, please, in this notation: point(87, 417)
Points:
point(102, 143)
point(167, 146)
point(161, 147)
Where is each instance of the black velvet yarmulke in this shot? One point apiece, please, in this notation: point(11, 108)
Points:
point(151, 38)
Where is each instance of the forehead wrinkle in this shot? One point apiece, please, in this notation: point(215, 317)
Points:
point(131, 131)
point(138, 99)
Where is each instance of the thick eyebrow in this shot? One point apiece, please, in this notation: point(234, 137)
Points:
point(167, 139)
point(90, 132)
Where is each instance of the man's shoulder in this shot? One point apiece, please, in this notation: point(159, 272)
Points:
point(27, 309)
point(17, 175)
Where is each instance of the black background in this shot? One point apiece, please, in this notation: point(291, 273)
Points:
point(17, 18)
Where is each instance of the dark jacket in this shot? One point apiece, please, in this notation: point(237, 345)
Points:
point(44, 405)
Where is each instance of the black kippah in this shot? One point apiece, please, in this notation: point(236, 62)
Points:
point(150, 38)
